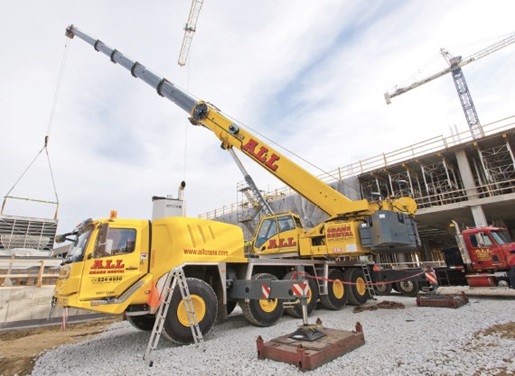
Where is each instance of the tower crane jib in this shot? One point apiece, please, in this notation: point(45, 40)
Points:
point(455, 63)
point(189, 30)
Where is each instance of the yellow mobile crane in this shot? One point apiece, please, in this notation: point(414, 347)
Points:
point(114, 263)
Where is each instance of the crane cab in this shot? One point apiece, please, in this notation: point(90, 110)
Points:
point(278, 234)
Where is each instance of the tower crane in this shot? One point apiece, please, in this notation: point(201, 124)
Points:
point(455, 64)
point(189, 30)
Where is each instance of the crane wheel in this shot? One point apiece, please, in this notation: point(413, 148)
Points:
point(358, 294)
point(262, 312)
point(337, 292)
point(144, 322)
point(407, 288)
point(383, 288)
point(176, 326)
point(296, 310)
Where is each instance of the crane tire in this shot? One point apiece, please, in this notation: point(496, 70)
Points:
point(144, 322)
point(358, 293)
point(262, 312)
point(383, 288)
point(176, 326)
point(337, 292)
point(296, 311)
point(408, 288)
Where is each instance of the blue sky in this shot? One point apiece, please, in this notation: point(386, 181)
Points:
point(308, 75)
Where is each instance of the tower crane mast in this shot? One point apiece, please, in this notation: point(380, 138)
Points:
point(455, 64)
point(189, 30)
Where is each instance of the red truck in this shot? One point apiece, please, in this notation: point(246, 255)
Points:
point(486, 256)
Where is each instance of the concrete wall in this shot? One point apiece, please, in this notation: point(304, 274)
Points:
point(22, 305)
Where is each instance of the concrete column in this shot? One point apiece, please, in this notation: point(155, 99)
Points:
point(478, 215)
point(470, 188)
point(466, 174)
point(427, 251)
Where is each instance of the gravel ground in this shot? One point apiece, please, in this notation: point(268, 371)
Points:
point(410, 341)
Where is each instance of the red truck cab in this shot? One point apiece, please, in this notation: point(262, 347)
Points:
point(490, 252)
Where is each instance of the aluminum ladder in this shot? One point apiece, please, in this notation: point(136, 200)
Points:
point(175, 277)
point(321, 273)
point(368, 280)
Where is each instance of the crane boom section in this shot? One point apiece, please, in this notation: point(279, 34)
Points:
point(189, 30)
point(488, 50)
point(402, 90)
point(319, 193)
point(307, 185)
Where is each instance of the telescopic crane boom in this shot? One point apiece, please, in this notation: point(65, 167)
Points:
point(353, 227)
point(232, 135)
point(455, 64)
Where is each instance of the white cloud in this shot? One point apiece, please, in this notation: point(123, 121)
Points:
point(309, 75)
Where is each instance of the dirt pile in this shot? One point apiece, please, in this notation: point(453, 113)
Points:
point(382, 305)
point(19, 349)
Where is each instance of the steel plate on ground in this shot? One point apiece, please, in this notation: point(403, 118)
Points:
point(450, 301)
point(307, 355)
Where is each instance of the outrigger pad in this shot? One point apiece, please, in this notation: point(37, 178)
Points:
point(306, 354)
point(307, 333)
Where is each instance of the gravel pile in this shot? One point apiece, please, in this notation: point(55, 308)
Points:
point(409, 341)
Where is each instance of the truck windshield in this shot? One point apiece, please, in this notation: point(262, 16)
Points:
point(501, 236)
point(79, 246)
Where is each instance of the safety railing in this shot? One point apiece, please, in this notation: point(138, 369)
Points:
point(454, 196)
point(28, 271)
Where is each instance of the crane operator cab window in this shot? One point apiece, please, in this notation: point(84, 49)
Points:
point(285, 223)
point(117, 241)
point(274, 225)
point(266, 231)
